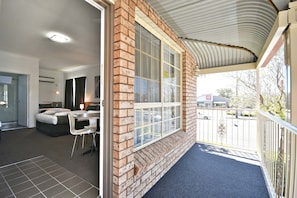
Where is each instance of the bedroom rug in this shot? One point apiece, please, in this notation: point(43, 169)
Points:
point(40, 177)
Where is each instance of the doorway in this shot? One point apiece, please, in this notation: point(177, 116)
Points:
point(13, 101)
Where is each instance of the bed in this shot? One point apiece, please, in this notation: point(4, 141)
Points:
point(54, 121)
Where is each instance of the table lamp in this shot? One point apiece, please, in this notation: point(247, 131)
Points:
point(81, 106)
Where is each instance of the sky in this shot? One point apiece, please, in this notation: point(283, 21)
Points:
point(207, 84)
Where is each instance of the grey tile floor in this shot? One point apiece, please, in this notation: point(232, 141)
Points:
point(40, 177)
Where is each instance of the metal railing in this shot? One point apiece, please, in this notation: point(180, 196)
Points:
point(277, 150)
point(274, 140)
point(236, 128)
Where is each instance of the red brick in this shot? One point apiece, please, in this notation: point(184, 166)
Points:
point(121, 29)
point(126, 168)
point(121, 12)
point(123, 129)
point(120, 79)
point(120, 45)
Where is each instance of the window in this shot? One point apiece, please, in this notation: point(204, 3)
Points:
point(157, 88)
point(147, 70)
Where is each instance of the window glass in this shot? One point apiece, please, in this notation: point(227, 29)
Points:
point(145, 38)
point(144, 90)
point(137, 137)
point(137, 89)
point(137, 63)
point(177, 96)
point(172, 58)
point(157, 129)
point(177, 77)
point(156, 47)
point(155, 67)
point(138, 118)
point(145, 66)
point(137, 37)
point(155, 90)
point(166, 54)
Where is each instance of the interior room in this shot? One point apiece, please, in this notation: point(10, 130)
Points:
point(43, 45)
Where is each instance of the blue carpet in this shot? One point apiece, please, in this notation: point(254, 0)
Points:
point(202, 174)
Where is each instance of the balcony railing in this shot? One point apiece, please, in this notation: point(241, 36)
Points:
point(236, 128)
point(277, 151)
point(274, 140)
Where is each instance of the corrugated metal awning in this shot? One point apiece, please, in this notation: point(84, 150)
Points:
point(221, 33)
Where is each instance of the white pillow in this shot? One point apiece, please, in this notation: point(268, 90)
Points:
point(49, 112)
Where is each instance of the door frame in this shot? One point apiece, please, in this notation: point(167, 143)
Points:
point(106, 97)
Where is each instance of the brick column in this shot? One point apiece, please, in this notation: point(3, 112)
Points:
point(123, 132)
point(189, 93)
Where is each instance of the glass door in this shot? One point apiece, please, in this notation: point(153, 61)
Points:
point(101, 92)
point(8, 101)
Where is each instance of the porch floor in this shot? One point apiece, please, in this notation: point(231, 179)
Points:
point(209, 172)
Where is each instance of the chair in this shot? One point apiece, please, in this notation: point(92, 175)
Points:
point(94, 122)
point(79, 132)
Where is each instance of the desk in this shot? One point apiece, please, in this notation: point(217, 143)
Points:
point(86, 116)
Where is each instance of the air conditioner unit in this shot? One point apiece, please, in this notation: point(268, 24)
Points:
point(46, 79)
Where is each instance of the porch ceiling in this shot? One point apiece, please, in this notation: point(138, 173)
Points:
point(221, 33)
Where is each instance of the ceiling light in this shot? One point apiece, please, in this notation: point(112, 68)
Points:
point(58, 37)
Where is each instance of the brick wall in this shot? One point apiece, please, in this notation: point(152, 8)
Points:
point(134, 173)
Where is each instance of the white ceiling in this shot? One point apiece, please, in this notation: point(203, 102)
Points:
point(24, 24)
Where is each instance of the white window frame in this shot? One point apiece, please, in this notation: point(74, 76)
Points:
point(144, 21)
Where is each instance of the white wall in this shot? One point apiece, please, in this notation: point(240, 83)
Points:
point(90, 73)
point(47, 91)
point(12, 63)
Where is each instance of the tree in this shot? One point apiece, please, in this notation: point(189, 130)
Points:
point(245, 89)
point(272, 86)
point(273, 77)
point(225, 92)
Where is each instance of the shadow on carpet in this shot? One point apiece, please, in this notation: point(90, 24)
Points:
point(199, 173)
